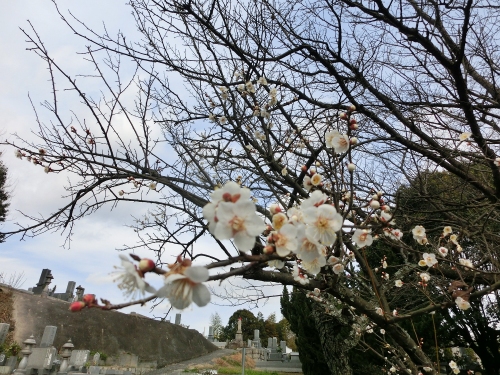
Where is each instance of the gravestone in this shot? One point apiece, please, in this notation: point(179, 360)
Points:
point(95, 360)
point(11, 363)
point(78, 359)
point(269, 342)
point(283, 347)
point(210, 334)
point(48, 336)
point(2, 359)
point(177, 319)
point(4, 330)
point(275, 343)
point(41, 359)
point(94, 370)
point(249, 343)
point(128, 360)
point(45, 279)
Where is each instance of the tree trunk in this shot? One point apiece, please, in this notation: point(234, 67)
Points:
point(337, 338)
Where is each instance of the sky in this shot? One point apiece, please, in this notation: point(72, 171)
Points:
point(90, 259)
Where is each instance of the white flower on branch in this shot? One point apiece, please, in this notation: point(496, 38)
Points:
point(130, 279)
point(462, 304)
point(429, 260)
point(322, 224)
point(183, 285)
point(464, 136)
point(362, 237)
point(339, 142)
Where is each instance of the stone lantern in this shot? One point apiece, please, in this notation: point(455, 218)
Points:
point(28, 345)
point(66, 353)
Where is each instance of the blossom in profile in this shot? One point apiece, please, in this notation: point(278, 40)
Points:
point(184, 284)
point(466, 262)
point(447, 231)
point(362, 237)
point(299, 275)
point(462, 303)
point(262, 81)
point(130, 279)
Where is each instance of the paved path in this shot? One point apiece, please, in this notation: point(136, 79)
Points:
point(178, 368)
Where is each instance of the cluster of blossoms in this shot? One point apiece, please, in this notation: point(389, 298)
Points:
point(88, 300)
point(232, 215)
point(36, 158)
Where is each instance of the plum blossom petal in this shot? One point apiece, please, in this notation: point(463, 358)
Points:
point(362, 237)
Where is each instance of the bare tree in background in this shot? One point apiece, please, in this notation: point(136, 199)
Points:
point(411, 87)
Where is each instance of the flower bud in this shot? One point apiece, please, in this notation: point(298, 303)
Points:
point(146, 265)
point(353, 141)
point(375, 197)
point(89, 299)
point(274, 209)
point(351, 167)
point(353, 126)
point(269, 249)
point(343, 116)
point(352, 108)
point(303, 168)
point(375, 204)
point(76, 306)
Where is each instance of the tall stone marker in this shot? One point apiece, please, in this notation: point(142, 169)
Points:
point(48, 336)
point(4, 330)
point(178, 319)
point(41, 359)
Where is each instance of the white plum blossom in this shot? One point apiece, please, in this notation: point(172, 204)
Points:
point(262, 81)
point(322, 223)
point(231, 215)
point(466, 262)
point(338, 268)
point(315, 265)
point(339, 142)
point(279, 219)
point(299, 276)
point(130, 279)
point(223, 120)
point(152, 185)
point(184, 286)
point(497, 162)
point(285, 240)
point(443, 251)
point(362, 237)
point(447, 231)
point(462, 304)
point(307, 183)
point(454, 239)
point(425, 276)
point(398, 283)
point(464, 136)
point(379, 311)
point(316, 199)
point(419, 234)
point(429, 260)
point(238, 221)
point(284, 171)
point(316, 179)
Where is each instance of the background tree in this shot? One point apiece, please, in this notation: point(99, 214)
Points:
point(409, 87)
point(216, 323)
point(248, 324)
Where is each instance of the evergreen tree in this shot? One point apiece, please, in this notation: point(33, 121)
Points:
point(3, 196)
point(297, 310)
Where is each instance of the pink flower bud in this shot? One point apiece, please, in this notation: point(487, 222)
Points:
point(76, 306)
point(343, 116)
point(269, 249)
point(89, 299)
point(353, 141)
point(146, 265)
point(352, 108)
